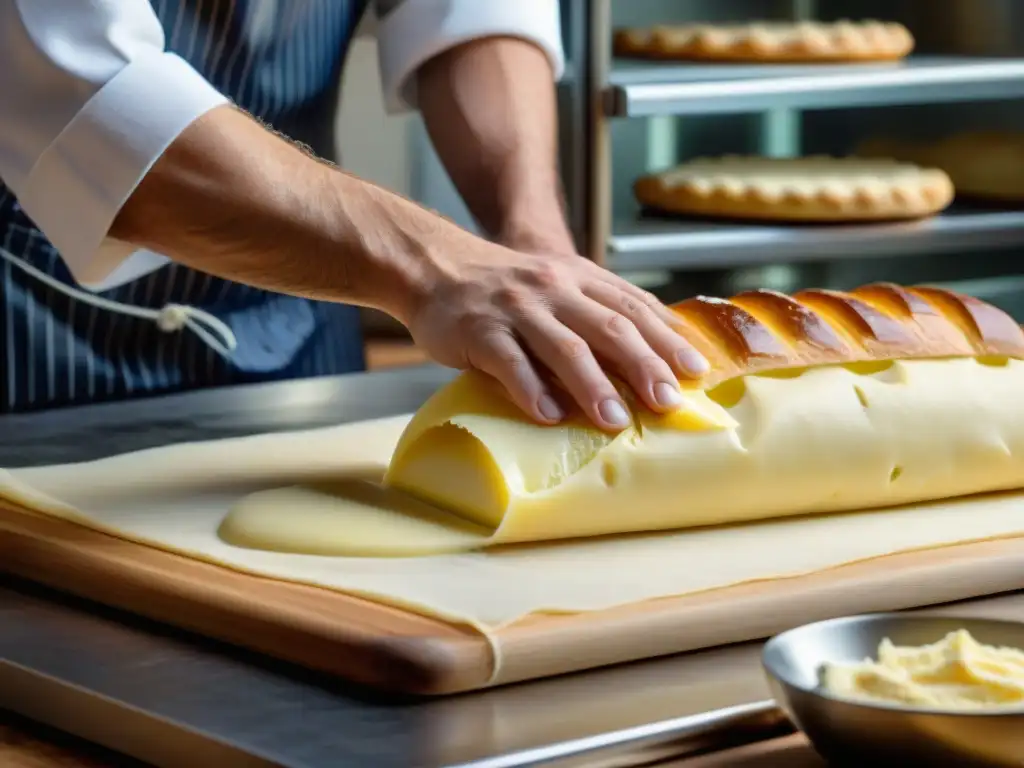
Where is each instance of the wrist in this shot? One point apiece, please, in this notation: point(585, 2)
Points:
point(533, 235)
point(399, 248)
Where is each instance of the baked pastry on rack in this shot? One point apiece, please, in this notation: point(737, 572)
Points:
point(768, 42)
point(983, 165)
point(816, 188)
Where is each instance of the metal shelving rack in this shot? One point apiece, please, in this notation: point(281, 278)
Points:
point(665, 244)
point(623, 90)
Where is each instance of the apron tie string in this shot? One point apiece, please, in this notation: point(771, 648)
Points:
point(171, 318)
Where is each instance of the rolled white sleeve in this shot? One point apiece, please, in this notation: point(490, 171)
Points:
point(411, 32)
point(89, 100)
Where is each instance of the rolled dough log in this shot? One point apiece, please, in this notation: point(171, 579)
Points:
point(828, 439)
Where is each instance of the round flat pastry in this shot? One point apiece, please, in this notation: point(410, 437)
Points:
point(799, 189)
point(767, 42)
point(984, 165)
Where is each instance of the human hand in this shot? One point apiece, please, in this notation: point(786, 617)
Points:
point(523, 317)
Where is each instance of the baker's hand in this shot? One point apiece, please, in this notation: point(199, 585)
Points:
point(523, 317)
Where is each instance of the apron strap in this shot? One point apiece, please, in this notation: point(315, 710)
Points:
point(171, 318)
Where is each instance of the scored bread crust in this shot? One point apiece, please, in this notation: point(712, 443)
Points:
point(762, 330)
point(792, 42)
point(815, 188)
point(984, 165)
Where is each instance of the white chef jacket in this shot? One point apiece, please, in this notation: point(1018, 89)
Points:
point(90, 98)
point(91, 93)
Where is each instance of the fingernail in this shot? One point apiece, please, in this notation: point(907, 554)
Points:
point(613, 412)
point(693, 361)
point(549, 409)
point(667, 395)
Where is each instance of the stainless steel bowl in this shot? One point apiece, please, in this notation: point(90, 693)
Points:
point(866, 734)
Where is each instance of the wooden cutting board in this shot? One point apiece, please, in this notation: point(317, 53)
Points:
point(396, 650)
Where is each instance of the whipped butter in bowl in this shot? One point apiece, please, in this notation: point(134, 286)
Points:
point(955, 673)
point(906, 689)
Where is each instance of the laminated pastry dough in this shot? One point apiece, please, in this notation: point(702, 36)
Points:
point(766, 42)
point(175, 498)
point(984, 165)
point(815, 400)
point(816, 188)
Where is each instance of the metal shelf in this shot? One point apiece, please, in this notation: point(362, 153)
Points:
point(638, 90)
point(656, 243)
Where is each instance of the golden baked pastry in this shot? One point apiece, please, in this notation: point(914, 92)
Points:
point(764, 42)
point(798, 189)
point(985, 165)
point(759, 331)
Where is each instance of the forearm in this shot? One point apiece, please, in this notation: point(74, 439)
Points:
point(232, 199)
point(490, 110)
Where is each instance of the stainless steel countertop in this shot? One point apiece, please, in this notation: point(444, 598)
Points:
point(175, 699)
point(82, 433)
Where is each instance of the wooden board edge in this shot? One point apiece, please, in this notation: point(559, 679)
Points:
point(377, 645)
point(757, 610)
point(400, 651)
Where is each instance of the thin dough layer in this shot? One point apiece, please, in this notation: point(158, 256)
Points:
point(766, 42)
point(826, 189)
point(175, 497)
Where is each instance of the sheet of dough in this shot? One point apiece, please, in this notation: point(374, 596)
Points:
point(175, 498)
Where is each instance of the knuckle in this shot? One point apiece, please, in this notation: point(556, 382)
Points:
point(544, 276)
point(509, 297)
point(644, 297)
point(511, 358)
point(573, 349)
point(617, 326)
point(650, 299)
point(632, 307)
point(508, 356)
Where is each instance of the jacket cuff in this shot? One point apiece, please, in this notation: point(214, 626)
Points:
point(80, 182)
point(415, 32)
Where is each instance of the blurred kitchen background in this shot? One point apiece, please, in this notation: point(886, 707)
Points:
point(621, 119)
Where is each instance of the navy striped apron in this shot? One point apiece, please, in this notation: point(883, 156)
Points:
point(280, 60)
